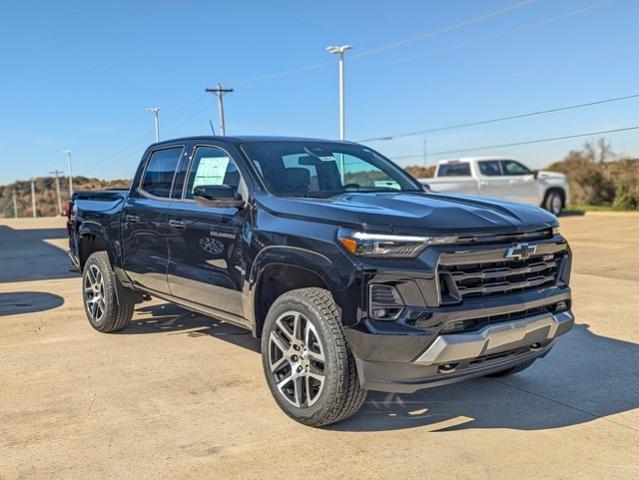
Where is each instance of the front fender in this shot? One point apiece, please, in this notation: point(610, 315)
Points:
point(337, 274)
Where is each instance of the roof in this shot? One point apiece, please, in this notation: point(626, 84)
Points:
point(247, 139)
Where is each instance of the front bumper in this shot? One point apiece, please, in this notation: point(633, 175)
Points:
point(458, 356)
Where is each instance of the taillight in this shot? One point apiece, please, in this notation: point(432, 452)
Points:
point(69, 211)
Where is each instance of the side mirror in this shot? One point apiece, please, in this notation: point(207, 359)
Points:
point(218, 196)
point(535, 174)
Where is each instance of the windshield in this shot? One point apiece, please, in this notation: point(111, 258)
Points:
point(325, 169)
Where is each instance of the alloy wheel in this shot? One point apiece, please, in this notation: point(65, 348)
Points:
point(94, 293)
point(296, 359)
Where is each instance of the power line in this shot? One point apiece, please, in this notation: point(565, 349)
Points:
point(488, 38)
point(400, 43)
point(516, 144)
point(447, 29)
point(502, 119)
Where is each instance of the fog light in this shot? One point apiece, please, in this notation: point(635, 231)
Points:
point(385, 302)
point(380, 312)
point(561, 306)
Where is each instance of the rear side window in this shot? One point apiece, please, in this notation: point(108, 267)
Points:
point(490, 168)
point(158, 176)
point(454, 170)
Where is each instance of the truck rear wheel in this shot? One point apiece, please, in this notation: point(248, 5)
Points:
point(100, 301)
point(554, 202)
point(307, 362)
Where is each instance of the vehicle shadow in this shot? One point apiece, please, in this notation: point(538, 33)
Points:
point(586, 376)
point(26, 254)
point(170, 318)
point(15, 303)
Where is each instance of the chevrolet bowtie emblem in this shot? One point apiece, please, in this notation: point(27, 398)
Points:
point(520, 251)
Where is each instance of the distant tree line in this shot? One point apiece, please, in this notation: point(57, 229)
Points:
point(596, 174)
point(46, 194)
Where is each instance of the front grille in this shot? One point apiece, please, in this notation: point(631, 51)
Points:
point(496, 278)
point(473, 324)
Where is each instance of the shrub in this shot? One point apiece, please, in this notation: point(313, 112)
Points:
point(625, 200)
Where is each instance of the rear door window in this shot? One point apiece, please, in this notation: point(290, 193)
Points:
point(454, 170)
point(160, 169)
point(490, 168)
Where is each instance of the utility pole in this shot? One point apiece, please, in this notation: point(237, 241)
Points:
point(33, 199)
point(15, 204)
point(425, 153)
point(219, 93)
point(156, 112)
point(57, 172)
point(342, 121)
point(68, 152)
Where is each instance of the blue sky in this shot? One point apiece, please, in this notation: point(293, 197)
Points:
point(80, 75)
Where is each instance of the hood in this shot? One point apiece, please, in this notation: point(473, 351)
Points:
point(423, 213)
point(551, 175)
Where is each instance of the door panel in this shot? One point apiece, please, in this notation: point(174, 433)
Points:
point(522, 183)
point(207, 245)
point(491, 182)
point(206, 251)
point(145, 220)
point(145, 231)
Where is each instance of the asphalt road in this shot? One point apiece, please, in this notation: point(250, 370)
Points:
point(179, 395)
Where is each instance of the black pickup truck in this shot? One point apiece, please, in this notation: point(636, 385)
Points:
point(355, 276)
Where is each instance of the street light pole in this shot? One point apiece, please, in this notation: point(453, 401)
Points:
point(68, 152)
point(156, 112)
point(342, 120)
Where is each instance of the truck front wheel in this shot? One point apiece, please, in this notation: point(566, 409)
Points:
point(98, 292)
point(308, 364)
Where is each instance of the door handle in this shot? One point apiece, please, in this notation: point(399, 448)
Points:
point(177, 224)
point(132, 218)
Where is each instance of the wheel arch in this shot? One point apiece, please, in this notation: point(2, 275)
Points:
point(278, 270)
point(91, 239)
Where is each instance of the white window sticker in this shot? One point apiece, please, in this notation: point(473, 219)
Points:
point(211, 171)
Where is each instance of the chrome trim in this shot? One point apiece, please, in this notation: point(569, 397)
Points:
point(496, 338)
point(504, 271)
point(503, 287)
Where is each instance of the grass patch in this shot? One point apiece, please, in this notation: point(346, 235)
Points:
point(593, 208)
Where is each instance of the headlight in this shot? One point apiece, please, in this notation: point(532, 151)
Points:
point(384, 245)
point(555, 231)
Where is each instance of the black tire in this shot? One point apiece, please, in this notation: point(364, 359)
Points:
point(100, 301)
point(340, 395)
point(554, 201)
point(511, 370)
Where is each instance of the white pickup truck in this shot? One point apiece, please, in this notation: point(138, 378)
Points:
point(501, 178)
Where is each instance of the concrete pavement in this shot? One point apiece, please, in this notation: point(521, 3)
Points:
point(179, 395)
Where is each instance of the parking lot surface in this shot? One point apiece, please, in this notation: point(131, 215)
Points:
point(180, 395)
